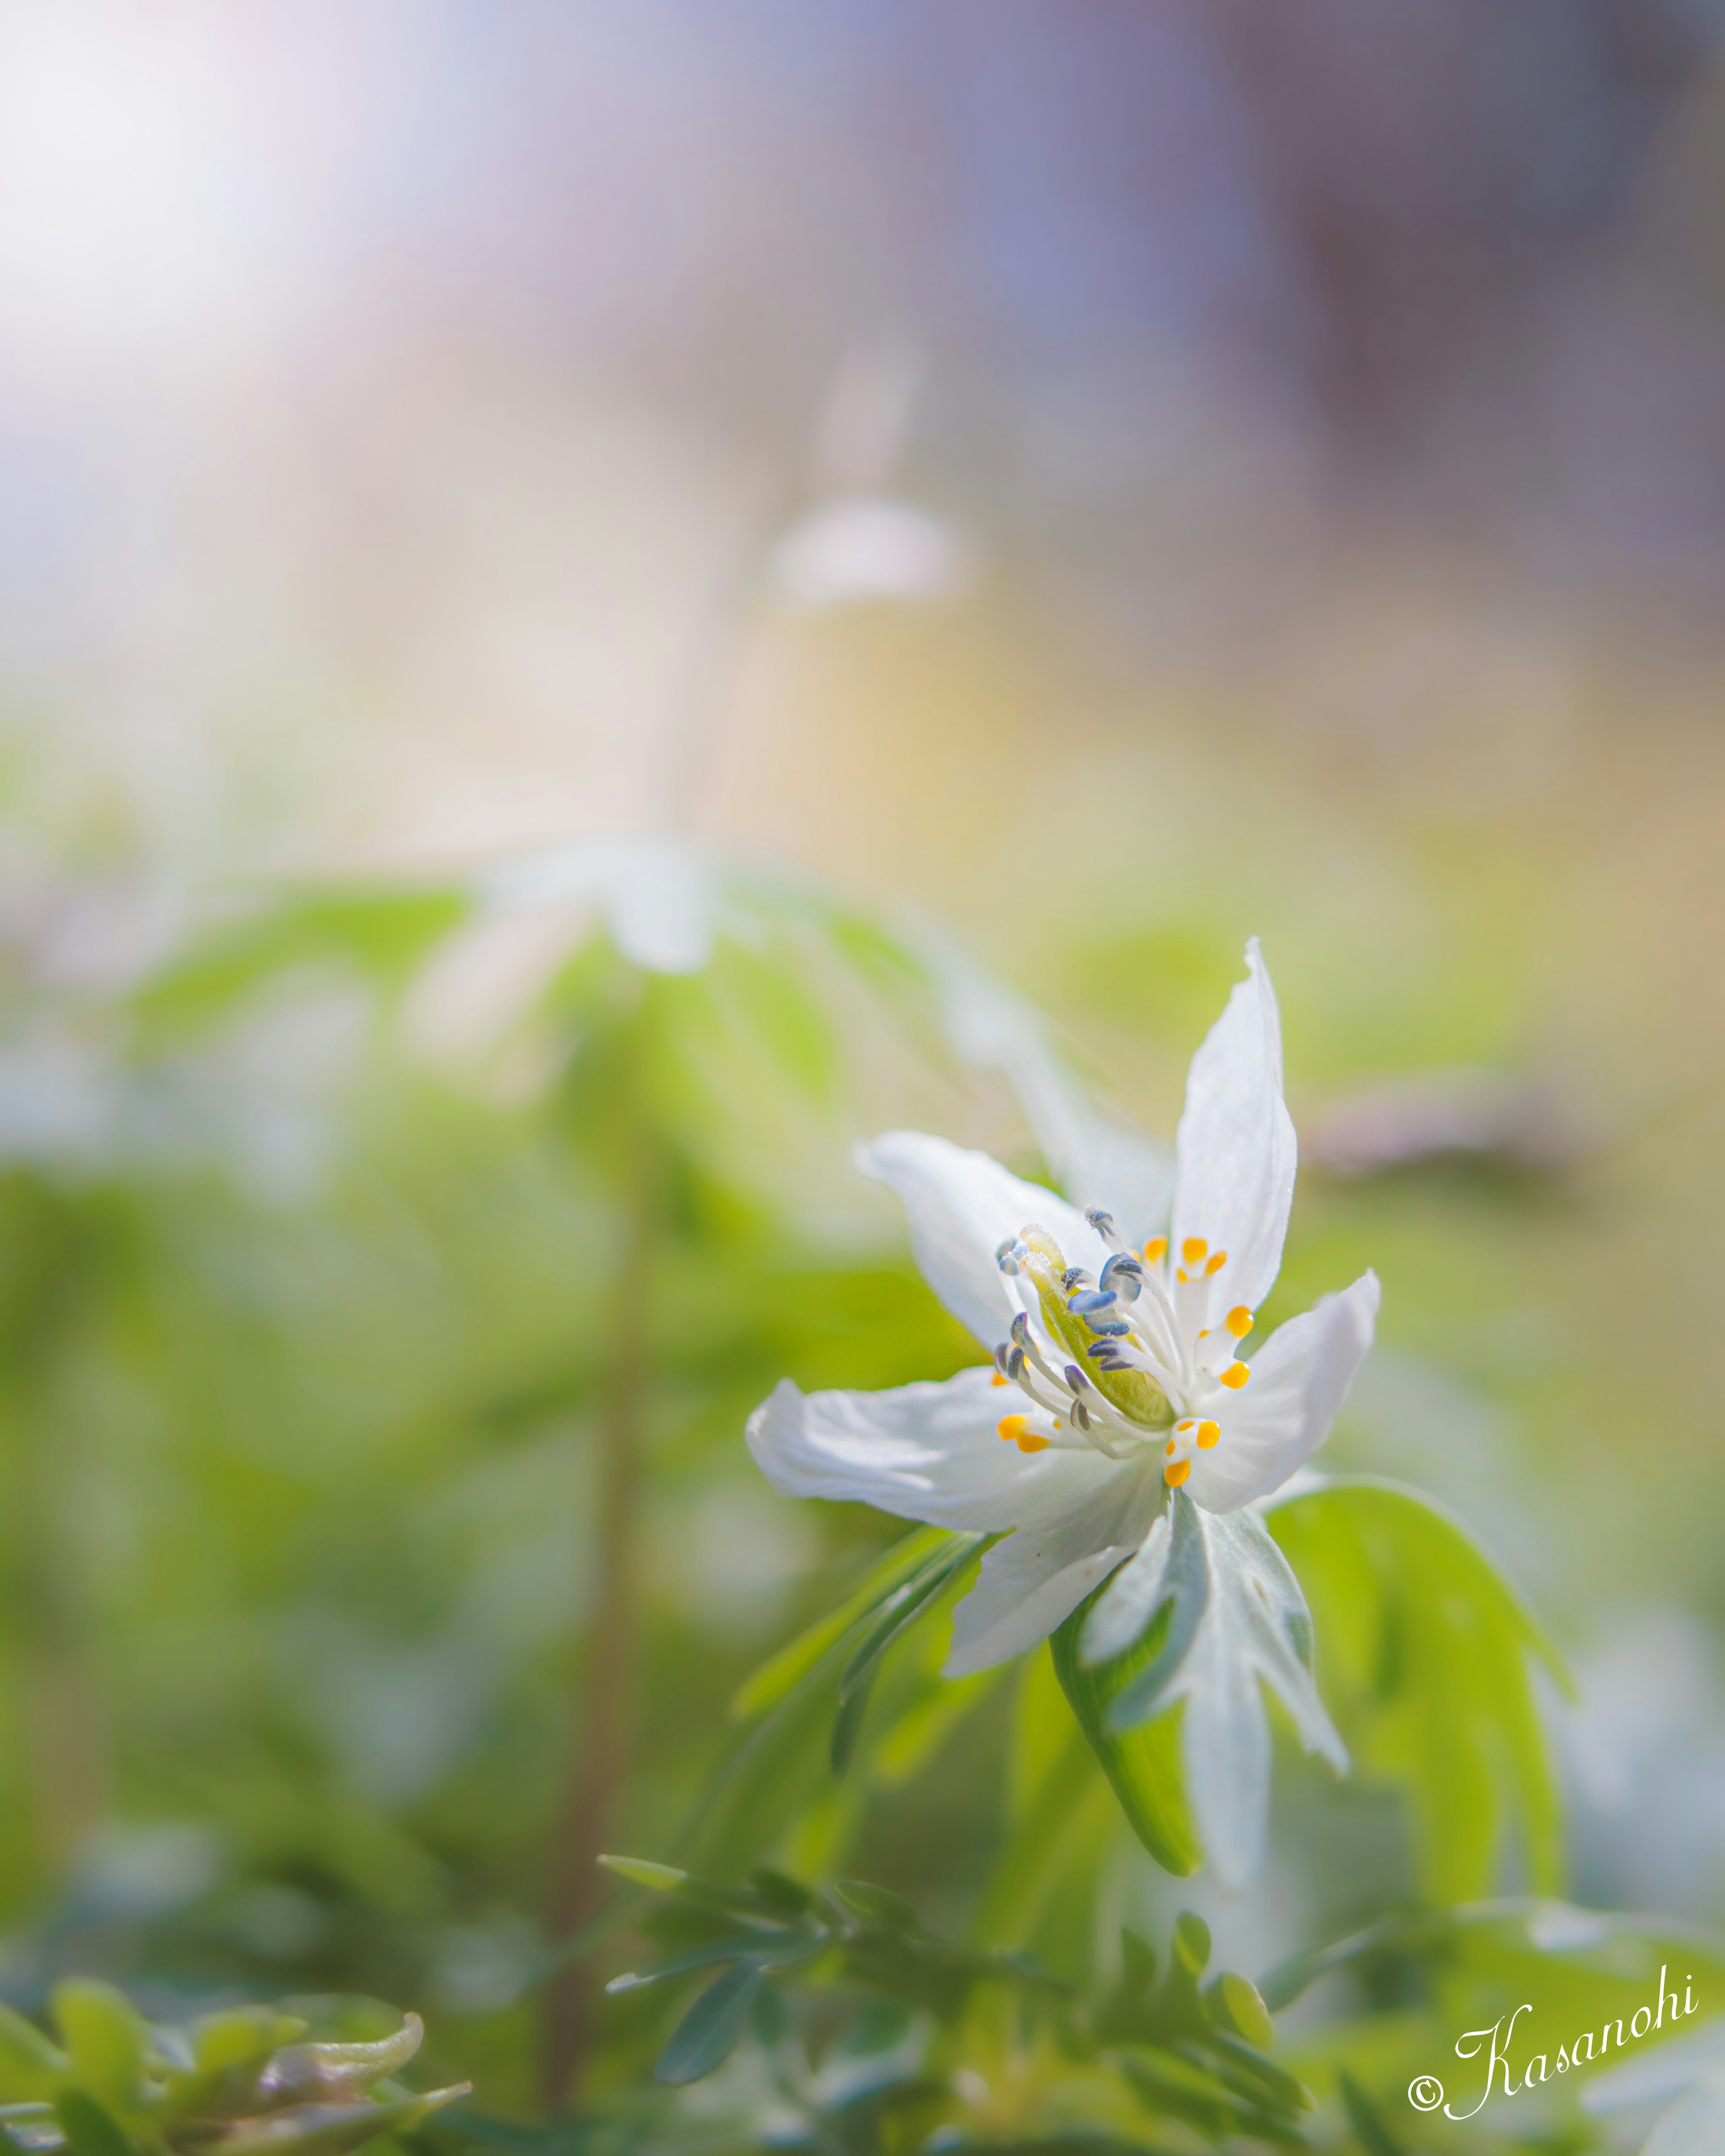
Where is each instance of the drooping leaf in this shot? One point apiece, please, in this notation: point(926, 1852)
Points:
point(1426, 1655)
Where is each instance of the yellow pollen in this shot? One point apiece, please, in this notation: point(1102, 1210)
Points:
point(998, 1378)
point(1012, 1428)
point(1181, 1274)
point(1030, 1442)
point(1182, 1427)
point(1175, 1473)
point(1234, 1376)
point(1238, 1321)
point(1218, 1258)
point(1192, 1249)
point(1170, 1448)
point(1209, 1434)
point(1156, 1249)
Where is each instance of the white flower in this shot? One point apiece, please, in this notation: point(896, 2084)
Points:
point(1118, 1375)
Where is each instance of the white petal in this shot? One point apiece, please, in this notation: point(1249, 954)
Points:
point(1284, 1409)
point(1235, 1148)
point(926, 1451)
point(963, 1206)
point(1036, 1579)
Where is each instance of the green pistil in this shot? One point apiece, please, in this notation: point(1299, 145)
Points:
point(1134, 1393)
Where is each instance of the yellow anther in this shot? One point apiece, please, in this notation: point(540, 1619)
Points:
point(1218, 1258)
point(998, 1378)
point(1171, 1448)
point(1238, 1321)
point(1181, 1274)
point(1175, 1473)
point(1182, 1427)
point(1012, 1428)
point(1030, 1442)
point(1156, 1249)
point(1193, 1249)
point(1209, 1434)
point(1234, 1376)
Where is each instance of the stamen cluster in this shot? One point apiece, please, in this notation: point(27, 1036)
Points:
point(1113, 1360)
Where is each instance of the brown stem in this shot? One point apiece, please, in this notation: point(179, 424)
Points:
point(604, 1724)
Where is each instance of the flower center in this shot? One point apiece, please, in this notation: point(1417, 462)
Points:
point(1115, 1362)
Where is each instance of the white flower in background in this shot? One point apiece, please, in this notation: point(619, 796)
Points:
point(1118, 1374)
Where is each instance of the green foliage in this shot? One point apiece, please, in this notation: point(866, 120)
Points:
point(237, 2083)
point(1143, 2049)
point(1426, 1654)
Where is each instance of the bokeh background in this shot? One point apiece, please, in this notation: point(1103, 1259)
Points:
point(1110, 477)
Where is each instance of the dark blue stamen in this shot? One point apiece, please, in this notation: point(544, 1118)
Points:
point(1095, 1298)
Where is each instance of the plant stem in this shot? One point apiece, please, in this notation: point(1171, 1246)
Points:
point(604, 1720)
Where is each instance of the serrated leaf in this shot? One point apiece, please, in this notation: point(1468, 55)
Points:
point(1426, 1652)
point(708, 2033)
point(1235, 1618)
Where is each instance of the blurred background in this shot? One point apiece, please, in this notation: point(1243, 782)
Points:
point(1110, 477)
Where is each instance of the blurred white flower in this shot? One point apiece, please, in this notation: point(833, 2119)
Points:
point(858, 547)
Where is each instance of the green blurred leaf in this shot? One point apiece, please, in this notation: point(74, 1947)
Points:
point(1374, 2137)
point(708, 2033)
point(1426, 1654)
point(30, 2066)
point(89, 2127)
point(106, 2041)
point(776, 1678)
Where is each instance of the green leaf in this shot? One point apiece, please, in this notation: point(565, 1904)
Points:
point(1205, 1612)
point(30, 2066)
point(1373, 2136)
point(778, 1677)
point(748, 1946)
point(877, 1905)
point(642, 1872)
point(106, 2041)
point(708, 2033)
point(1426, 1654)
point(1234, 2003)
point(88, 2129)
point(1143, 1763)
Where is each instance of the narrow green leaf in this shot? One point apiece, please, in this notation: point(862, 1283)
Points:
point(642, 1872)
point(708, 2033)
point(902, 1608)
point(30, 2066)
point(878, 1905)
point(779, 1675)
point(1373, 2136)
point(747, 1945)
